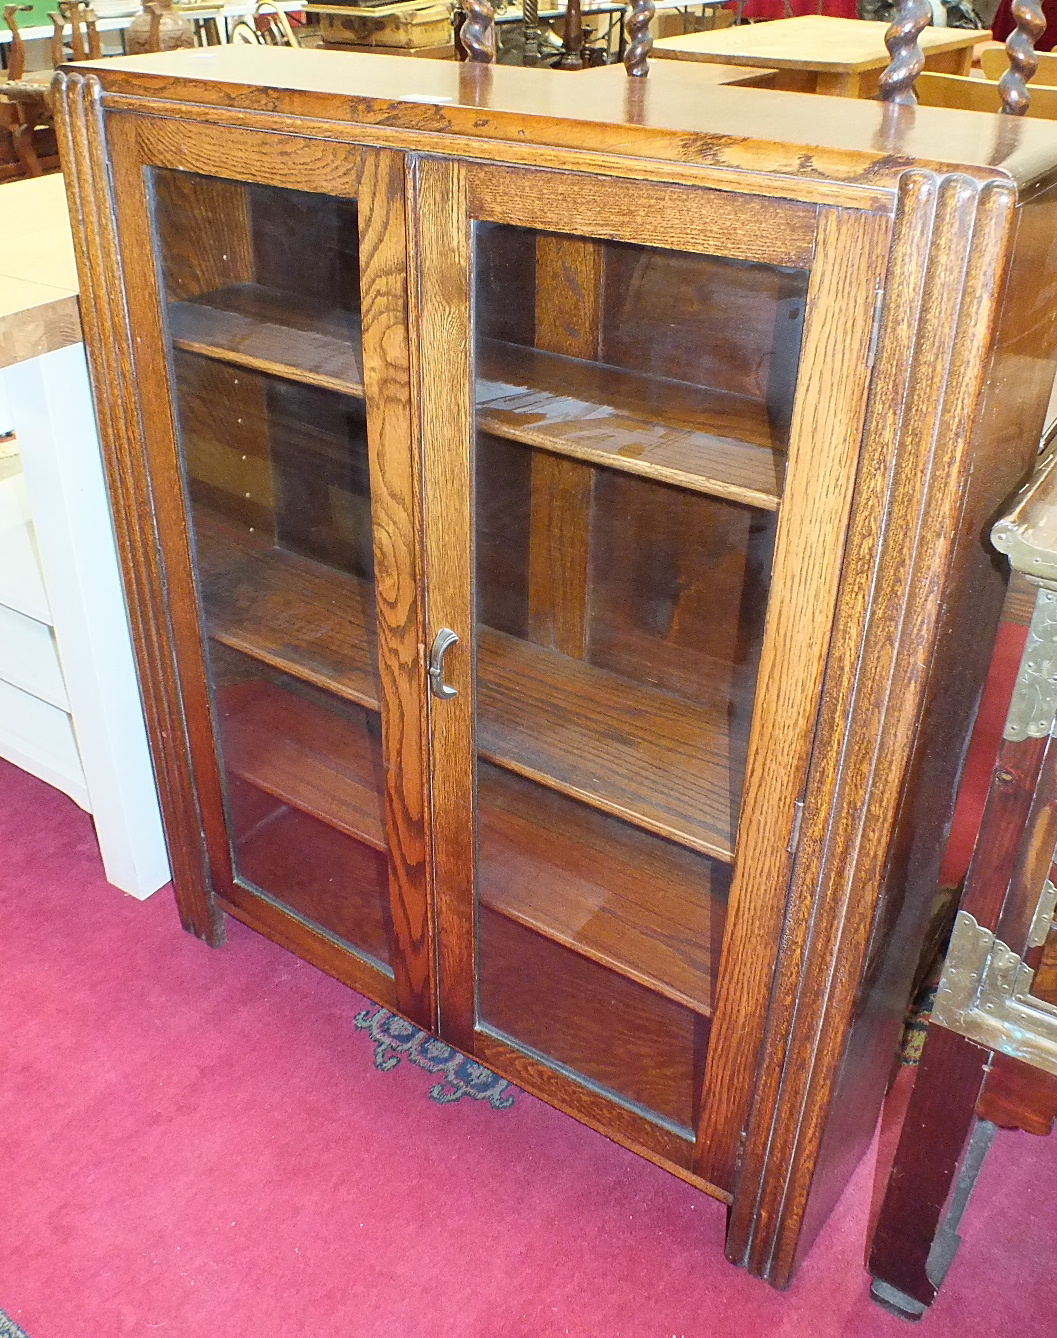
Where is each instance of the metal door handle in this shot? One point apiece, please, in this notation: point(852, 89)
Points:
point(442, 643)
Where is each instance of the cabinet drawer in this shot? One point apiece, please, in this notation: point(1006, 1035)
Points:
point(29, 658)
point(40, 739)
point(21, 580)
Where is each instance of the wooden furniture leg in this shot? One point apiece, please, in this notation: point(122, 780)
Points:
point(26, 150)
point(912, 1245)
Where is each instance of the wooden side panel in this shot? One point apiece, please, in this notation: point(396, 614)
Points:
point(140, 515)
point(826, 429)
point(442, 375)
point(396, 514)
point(921, 596)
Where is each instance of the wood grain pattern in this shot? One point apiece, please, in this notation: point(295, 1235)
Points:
point(443, 379)
point(569, 274)
point(269, 331)
point(559, 553)
point(645, 907)
point(657, 1142)
point(709, 440)
point(203, 231)
point(566, 1008)
point(396, 491)
point(823, 457)
point(891, 684)
point(576, 728)
point(659, 761)
point(633, 211)
point(106, 312)
point(865, 599)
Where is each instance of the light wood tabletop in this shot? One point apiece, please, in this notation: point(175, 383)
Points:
point(819, 54)
point(38, 275)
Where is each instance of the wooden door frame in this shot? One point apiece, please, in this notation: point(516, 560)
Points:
point(846, 276)
point(145, 479)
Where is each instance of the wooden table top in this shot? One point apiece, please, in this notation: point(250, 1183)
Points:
point(616, 77)
point(811, 42)
point(39, 314)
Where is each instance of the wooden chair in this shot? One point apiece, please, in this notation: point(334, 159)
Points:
point(25, 97)
point(980, 95)
point(23, 100)
point(266, 26)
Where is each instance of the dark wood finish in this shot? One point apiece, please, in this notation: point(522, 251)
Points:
point(583, 730)
point(970, 1072)
point(1023, 62)
point(640, 42)
point(937, 1127)
point(907, 58)
point(851, 409)
point(477, 33)
point(645, 907)
point(575, 1013)
point(1018, 1096)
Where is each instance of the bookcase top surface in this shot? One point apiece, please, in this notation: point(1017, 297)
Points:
point(672, 114)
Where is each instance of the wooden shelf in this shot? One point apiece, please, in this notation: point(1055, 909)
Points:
point(650, 910)
point(657, 760)
point(705, 440)
point(274, 332)
point(305, 756)
point(289, 612)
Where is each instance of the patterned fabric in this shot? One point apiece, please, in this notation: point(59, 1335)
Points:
point(916, 1026)
point(9, 1329)
point(395, 1038)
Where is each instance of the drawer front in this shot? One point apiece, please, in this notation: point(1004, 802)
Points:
point(29, 659)
point(40, 739)
point(21, 579)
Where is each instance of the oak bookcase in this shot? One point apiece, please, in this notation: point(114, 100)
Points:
point(553, 516)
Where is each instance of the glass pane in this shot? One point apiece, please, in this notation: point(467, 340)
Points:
point(633, 414)
point(262, 290)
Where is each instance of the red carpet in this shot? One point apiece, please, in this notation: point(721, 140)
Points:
point(198, 1144)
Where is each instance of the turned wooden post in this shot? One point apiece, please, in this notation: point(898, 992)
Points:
point(907, 58)
point(477, 33)
point(636, 57)
point(1023, 62)
point(530, 9)
point(573, 37)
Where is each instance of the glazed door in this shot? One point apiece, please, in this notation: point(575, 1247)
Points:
point(668, 388)
point(271, 301)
